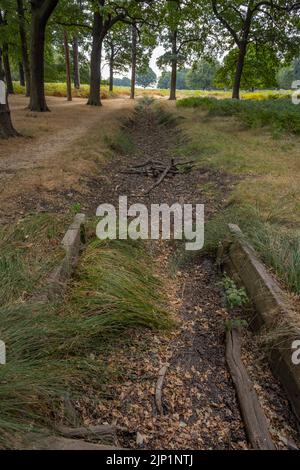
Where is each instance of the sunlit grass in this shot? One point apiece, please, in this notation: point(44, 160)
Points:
point(60, 90)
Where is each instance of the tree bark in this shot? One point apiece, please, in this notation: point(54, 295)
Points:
point(94, 98)
point(111, 67)
point(24, 46)
point(133, 61)
point(174, 67)
point(6, 128)
point(76, 63)
point(41, 10)
point(6, 64)
point(21, 74)
point(239, 70)
point(68, 68)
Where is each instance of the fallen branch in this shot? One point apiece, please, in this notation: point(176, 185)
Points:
point(159, 386)
point(103, 430)
point(160, 179)
point(157, 169)
point(255, 421)
point(141, 165)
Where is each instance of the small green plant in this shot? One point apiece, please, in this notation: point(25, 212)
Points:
point(235, 323)
point(235, 297)
point(76, 208)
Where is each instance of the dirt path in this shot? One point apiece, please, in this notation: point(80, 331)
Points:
point(199, 402)
point(55, 152)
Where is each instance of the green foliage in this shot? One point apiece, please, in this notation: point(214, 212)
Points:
point(124, 81)
point(117, 46)
point(76, 208)
point(260, 68)
point(146, 77)
point(236, 323)
point(287, 75)
point(55, 70)
point(165, 79)
point(280, 115)
point(235, 297)
point(202, 75)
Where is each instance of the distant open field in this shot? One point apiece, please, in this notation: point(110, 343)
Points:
point(59, 90)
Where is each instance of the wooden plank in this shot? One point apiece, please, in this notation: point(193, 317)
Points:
point(58, 277)
point(255, 421)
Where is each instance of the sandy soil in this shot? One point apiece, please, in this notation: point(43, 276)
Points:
point(55, 152)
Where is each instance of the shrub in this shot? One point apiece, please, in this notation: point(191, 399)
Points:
point(280, 115)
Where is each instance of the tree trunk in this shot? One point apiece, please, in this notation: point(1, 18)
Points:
point(133, 61)
point(6, 128)
point(76, 63)
point(239, 70)
point(40, 12)
point(6, 64)
point(174, 67)
point(95, 81)
point(24, 47)
point(68, 68)
point(111, 68)
point(21, 74)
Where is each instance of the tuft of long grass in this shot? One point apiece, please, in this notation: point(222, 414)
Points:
point(114, 282)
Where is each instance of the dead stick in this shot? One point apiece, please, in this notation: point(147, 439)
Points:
point(159, 386)
point(254, 418)
point(96, 431)
point(160, 179)
point(148, 162)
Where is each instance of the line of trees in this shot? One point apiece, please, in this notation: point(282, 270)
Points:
point(75, 36)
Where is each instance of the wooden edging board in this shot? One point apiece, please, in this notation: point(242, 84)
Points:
point(72, 243)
